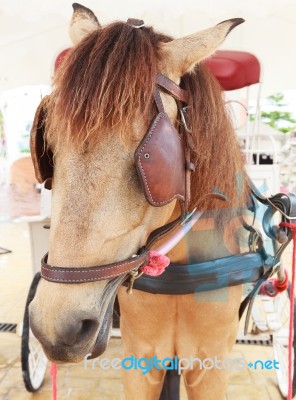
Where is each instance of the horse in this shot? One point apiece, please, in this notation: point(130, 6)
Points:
point(92, 132)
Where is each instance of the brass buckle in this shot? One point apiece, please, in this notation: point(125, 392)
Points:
point(134, 274)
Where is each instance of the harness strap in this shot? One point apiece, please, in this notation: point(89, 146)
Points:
point(205, 276)
point(163, 230)
point(286, 205)
point(172, 88)
point(158, 101)
point(181, 96)
point(249, 299)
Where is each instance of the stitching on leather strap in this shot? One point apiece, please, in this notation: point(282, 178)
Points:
point(128, 265)
point(62, 270)
point(94, 279)
point(158, 101)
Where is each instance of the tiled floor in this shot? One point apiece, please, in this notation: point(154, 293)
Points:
point(74, 381)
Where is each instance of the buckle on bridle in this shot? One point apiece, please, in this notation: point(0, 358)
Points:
point(183, 111)
point(134, 274)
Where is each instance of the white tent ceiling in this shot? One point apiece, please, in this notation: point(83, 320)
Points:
point(33, 32)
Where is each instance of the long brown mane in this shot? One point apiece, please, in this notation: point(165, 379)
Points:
point(218, 158)
point(110, 76)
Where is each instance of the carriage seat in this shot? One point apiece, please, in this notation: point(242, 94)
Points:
point(234, 69)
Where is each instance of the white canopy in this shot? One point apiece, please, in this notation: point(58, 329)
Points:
point(33, 32)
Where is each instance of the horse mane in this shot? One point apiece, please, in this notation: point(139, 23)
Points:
point(219, 166)
point(110, 76)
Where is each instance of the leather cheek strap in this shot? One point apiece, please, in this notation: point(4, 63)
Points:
point(172, 88)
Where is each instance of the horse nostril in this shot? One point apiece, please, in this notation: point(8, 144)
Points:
point(79, 332)
point(88, 327)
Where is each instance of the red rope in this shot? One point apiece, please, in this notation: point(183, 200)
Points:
point(53, 372)
point(291, 324)
point(273, 286)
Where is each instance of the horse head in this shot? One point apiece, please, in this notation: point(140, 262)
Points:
point(101, 106)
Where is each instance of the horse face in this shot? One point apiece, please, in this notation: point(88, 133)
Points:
point(99, 216)
point(99, 212)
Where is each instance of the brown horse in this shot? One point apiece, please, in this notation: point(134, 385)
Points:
point(101, 106)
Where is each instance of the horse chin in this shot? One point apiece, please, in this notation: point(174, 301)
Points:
point(62, 356)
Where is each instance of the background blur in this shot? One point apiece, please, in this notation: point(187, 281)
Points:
point(33, 32)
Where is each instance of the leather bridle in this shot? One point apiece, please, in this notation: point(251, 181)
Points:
point(156, 139)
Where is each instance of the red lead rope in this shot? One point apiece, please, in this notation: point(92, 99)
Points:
point(53, 372)
point(291, 325)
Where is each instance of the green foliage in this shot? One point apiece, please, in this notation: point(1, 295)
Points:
point(283, 121)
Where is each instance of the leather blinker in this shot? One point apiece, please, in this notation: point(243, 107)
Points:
point(160, 162)
point(42, 157)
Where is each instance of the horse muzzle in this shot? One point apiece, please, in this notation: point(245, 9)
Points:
point(69, 337)
point(67, 342)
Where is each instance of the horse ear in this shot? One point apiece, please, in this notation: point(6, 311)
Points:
point(83, 22)
point(181, 55)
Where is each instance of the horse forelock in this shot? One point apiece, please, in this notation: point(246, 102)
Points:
point(102, 84)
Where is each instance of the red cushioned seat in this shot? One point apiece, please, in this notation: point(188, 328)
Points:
point(234, 69)
point(60, 58)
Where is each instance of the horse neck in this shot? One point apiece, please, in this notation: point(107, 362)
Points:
point(217, 234)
